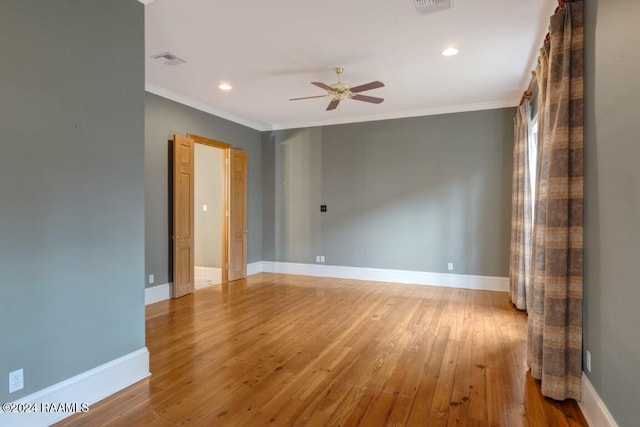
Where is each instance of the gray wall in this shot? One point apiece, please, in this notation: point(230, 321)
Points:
point(410, 194)
point(612, 197)
point(208, 192)
point(163, 119)
point(71, 187)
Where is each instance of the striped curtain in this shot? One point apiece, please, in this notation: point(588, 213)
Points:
point(521, 215)
point(555, 316)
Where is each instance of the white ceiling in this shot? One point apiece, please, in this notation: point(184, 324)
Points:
point(270, 51)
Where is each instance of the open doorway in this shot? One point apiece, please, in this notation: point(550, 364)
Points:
point(233, 210)
point(208, 214)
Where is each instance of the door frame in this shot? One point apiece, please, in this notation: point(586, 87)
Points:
point(225, 198)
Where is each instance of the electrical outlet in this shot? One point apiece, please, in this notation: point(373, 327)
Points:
point(151, 278)
point(16, 380)
point(588, 361)
point(317, 258)
point(450, 266)
point(321, 258)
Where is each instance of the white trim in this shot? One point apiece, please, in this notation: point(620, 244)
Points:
point(157, 293)
point(487, 283)
point(145, 2)
point(254, 267)
point(263, 126)
point(88, 387)
point(185, 100)
point(490, 105)
point(593, 408)
point(207, 276)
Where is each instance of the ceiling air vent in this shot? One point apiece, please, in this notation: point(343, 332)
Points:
point(169, 58)
point(429, 6)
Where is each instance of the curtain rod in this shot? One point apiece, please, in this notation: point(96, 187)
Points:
point(562, 2)
point(527, 93)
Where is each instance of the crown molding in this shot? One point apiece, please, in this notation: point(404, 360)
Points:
point(263, 126)
point(185, 100)
point(491, 105)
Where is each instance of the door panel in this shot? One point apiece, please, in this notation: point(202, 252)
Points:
point(183, 245)
point(237, 215)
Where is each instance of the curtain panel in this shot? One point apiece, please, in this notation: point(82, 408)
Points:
point(554, 351)
point(521, 215)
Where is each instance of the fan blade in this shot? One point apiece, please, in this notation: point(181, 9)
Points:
point(309, 97)
point(367, 86)
point(333, 104)
point(322, 86)
point(365, 98)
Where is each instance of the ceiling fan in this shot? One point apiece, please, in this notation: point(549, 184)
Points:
point(339, 91)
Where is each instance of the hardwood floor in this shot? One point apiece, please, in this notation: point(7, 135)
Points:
point(293, 350)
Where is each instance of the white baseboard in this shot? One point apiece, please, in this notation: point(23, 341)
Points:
point(488, 283)
point(207, 276)
point(254, 268)
point(157, 293)
point(86, 388)
point(593, 408)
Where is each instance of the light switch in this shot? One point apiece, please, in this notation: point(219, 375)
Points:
point(204, 208)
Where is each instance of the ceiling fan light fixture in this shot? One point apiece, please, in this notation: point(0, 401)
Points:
point(225, 86)
point(450, 51)
point(340, 91)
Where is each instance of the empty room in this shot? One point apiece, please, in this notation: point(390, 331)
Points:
point(411, 213)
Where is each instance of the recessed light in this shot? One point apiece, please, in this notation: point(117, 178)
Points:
point(225, 86)
point(450, 51)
